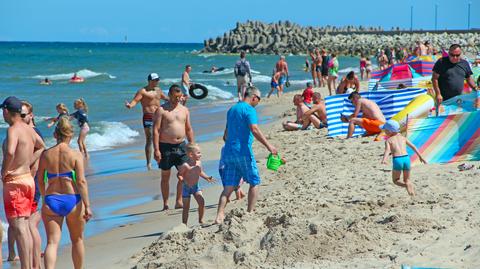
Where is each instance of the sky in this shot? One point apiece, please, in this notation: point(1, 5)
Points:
point(192, 21)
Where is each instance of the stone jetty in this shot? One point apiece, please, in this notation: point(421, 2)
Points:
point(286, 37)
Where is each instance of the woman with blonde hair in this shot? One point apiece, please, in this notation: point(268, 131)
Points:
point(81, 116)
point(64, 191)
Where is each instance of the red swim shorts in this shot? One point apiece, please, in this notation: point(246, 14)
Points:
point(18, 192)
point(372, 126)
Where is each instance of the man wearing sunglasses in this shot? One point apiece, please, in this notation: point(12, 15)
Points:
point(238, 159)
point(449, 73)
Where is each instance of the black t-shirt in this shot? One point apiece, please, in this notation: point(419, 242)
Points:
point(452, 76)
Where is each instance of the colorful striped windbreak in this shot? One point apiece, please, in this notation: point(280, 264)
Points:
point(445, 139)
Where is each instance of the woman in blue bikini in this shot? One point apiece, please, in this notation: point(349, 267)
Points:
point(65, 195)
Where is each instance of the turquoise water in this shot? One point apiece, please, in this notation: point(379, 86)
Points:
point(113, 73)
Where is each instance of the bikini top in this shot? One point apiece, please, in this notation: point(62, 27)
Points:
point(71, 175)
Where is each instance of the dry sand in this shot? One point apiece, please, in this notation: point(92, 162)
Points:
point(333, 205)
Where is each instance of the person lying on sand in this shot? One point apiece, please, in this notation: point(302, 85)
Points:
point(300, 123)
point(397, 144)
point(189, 173)
point(372, 115)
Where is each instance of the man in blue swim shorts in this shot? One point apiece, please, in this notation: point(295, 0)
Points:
point(238, 159)
point(397, 145)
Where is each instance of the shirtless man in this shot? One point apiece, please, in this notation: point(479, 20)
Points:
point(149, 97)
point(21, 149)
point(300, 123)
point(282, 66)
point(171, 127)
point(275, 84)
point(372, 118)
point(186, 83)
point(318, 110)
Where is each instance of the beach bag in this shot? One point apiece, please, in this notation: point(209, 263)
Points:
point(242, 68)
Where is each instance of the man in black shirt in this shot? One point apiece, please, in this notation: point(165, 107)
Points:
point(449, 74)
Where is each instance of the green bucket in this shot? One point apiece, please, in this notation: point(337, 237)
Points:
point(274, 162)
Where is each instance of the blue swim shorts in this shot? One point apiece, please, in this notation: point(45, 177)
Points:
point(401, 163)
point(189, 190)
point(273, 84)
point(238, 167)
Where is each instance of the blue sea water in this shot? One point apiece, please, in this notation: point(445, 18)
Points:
point(113, 72)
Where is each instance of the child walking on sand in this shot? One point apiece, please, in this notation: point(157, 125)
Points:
point(62, 111)
point(397, 145)
point(81, 116)
point(190, 173)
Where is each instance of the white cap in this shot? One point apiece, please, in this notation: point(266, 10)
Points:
point(153, 76)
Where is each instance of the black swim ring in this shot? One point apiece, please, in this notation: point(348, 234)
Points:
point(192, 91)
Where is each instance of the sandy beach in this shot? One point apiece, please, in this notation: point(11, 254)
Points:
point(333, 205)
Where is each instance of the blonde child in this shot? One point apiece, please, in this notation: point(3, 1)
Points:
point(81, 116)
point(397, 145)
point(190, 173)
point(62, 111)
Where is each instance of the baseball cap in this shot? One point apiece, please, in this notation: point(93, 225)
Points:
point(12, 104)
point(391, 125)
point(153, 76)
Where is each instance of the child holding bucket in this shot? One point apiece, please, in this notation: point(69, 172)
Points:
point(397, 145)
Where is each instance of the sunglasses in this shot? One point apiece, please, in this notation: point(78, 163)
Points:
point(454, 55)
point(258, 97)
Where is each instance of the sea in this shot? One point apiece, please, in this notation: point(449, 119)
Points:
point(113, 72)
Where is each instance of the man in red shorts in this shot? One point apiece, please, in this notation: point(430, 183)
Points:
point(21, 149)
point(372, 115)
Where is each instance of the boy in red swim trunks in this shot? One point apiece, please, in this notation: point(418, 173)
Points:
point(22, 148)
point(372, 115)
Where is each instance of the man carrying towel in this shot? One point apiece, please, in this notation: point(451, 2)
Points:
point(449, 74)
point(372, 117)
point(238, 159)
point(21, 149)
point(149, 97)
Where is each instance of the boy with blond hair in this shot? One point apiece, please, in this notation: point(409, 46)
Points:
point(190, 173)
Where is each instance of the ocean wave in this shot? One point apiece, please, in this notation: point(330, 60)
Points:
point(106, 135)
point(261, 78)
point(103, 135)
point(215, 93)
point(85, 73)
point(170, 81)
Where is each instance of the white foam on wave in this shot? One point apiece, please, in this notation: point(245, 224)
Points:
point(106, 135)
point(103, 135)
point(84, 73)
point(261, 78)
point(170, 80)
point(215, 93)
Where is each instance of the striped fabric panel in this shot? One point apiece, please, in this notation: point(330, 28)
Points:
point(446, 139)
point(393, 84)
point(390, 102)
